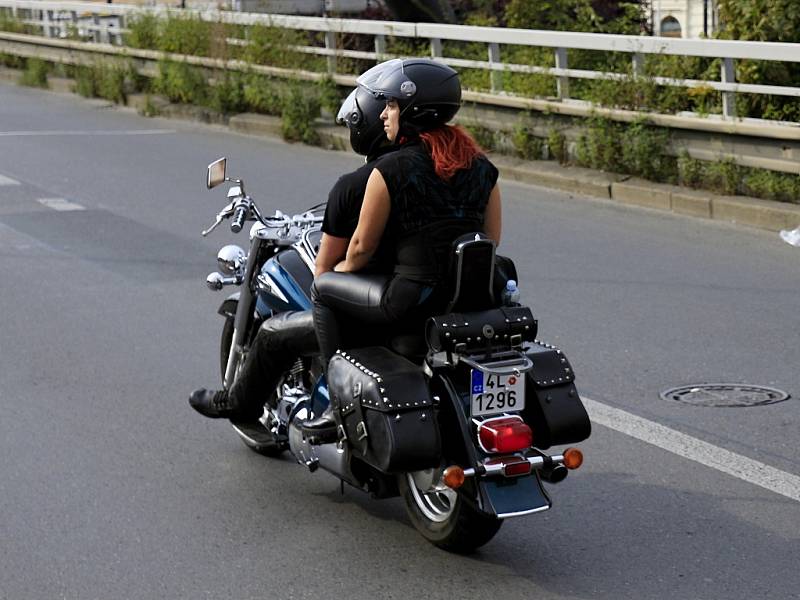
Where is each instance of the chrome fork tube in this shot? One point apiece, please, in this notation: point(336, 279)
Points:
point(244, 311)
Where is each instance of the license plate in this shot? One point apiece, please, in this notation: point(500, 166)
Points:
point(493, 394)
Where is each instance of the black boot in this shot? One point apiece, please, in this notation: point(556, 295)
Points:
point(214, 404)
point(321, 430)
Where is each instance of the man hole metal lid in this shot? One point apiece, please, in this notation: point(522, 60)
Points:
point(725, 395)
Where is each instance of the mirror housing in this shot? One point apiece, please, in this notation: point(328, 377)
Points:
point(216, 172)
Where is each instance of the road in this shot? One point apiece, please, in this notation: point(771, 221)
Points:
point(111, 487)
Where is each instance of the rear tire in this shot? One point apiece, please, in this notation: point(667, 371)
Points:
point(442, 517)
point(258, 441)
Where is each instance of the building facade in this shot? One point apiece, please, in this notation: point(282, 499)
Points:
point(684, 18)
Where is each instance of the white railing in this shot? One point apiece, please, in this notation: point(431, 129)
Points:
point(106, 23)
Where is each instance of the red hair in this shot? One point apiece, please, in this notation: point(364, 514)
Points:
point(451, 149)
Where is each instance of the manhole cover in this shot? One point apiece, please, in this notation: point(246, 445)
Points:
point(725, 394)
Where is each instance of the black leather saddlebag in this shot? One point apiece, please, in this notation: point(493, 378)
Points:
point(382, 405)
point(465, 332)
point(552, 405)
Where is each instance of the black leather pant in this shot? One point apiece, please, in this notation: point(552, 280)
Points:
point(279, 342)
point(350, 306)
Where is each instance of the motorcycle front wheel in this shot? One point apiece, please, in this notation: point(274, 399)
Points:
point(442, 516)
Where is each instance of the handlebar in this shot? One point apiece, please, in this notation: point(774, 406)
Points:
point(239, 216)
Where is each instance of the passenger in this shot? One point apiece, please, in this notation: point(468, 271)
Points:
point(436, 187)
point(284, 337)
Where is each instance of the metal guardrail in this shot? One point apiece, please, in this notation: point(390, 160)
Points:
point(106, 23)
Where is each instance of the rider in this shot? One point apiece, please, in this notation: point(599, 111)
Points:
point(436, 187)
point(282, 338)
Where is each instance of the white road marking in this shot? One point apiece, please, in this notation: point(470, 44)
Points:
point(60, 204)
point(8, 181)
point(741, 467)
point(56, 132)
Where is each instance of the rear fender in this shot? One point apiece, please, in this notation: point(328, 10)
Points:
point(496, 497)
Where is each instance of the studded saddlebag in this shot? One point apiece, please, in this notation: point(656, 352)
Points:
point(465, 332)
point(382, 405)
point(552, 405)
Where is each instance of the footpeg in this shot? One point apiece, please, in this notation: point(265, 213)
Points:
point(312, 464)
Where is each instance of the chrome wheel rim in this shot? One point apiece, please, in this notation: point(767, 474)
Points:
point(434, 499)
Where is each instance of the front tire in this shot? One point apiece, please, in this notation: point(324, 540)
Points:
point(442, 516)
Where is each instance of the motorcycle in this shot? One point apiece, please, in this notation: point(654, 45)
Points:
point(455, 420)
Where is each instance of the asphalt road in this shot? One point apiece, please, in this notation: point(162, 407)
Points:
point(111, 487)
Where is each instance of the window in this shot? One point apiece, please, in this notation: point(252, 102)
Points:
point(670, 27)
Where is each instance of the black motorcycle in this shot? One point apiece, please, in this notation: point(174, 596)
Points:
point(454, 417)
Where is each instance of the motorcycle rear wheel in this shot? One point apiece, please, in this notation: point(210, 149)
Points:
point(443, 517)
point(260, 442)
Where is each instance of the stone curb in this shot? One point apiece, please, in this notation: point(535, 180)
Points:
point(742, 210)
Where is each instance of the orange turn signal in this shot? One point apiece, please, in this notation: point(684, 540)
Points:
point(573, 458)
point(453, 477)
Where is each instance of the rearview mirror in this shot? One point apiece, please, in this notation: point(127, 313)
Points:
point(216, 172)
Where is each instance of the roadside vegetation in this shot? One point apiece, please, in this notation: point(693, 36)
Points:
point(638, 148)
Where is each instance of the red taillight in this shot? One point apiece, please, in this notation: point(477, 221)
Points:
point(505, 434)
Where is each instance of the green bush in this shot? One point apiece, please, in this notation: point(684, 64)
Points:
point(300, 110)
point(35, 73)
point(264, 94)
point(106, 80)
point(144, 32)
point(724, 176)
point(691, 172)
point(12, 25)
point(180, 82)
point(185, 35)
point(643, 152)
point(526, 145)
point(329, 96)
point(557, 146)
point(599, 146)
point(227, 95)
point(484, 136)
point(772, 186)
point(270, 46)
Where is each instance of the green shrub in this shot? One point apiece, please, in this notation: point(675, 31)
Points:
point(329, 96)
point(144, 32)
point(12, 25)
point(557, 146)
point(724, 176)
point(263, 94)
point(35, 73)
point(185, 35)
point(599, 146)
point(270, 46)
point(691, 172)
point(180, 82)
point(484, 136)
point(643, 152)
point(772, 186)
point(11, 61)
point(526, 145)
point(227, 95)
point(105, 80)
point(300, 110)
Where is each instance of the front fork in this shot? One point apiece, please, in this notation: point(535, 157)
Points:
point(244, 314)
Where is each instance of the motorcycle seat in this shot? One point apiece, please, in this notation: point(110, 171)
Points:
point(409, 345)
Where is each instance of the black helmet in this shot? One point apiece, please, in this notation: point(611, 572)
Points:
point(361, 112)
point(428, 92)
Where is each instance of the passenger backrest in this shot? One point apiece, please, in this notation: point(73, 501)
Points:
point(472, 272)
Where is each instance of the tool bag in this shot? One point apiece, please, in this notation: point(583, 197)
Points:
point(552, 406)
point(384, 410)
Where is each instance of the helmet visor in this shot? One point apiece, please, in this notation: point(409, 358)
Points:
point(381, 79)
point(348, 112)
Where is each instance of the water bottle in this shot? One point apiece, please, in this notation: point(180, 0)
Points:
point(511, 294)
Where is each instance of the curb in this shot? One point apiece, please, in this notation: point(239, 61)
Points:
point(742, 210)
